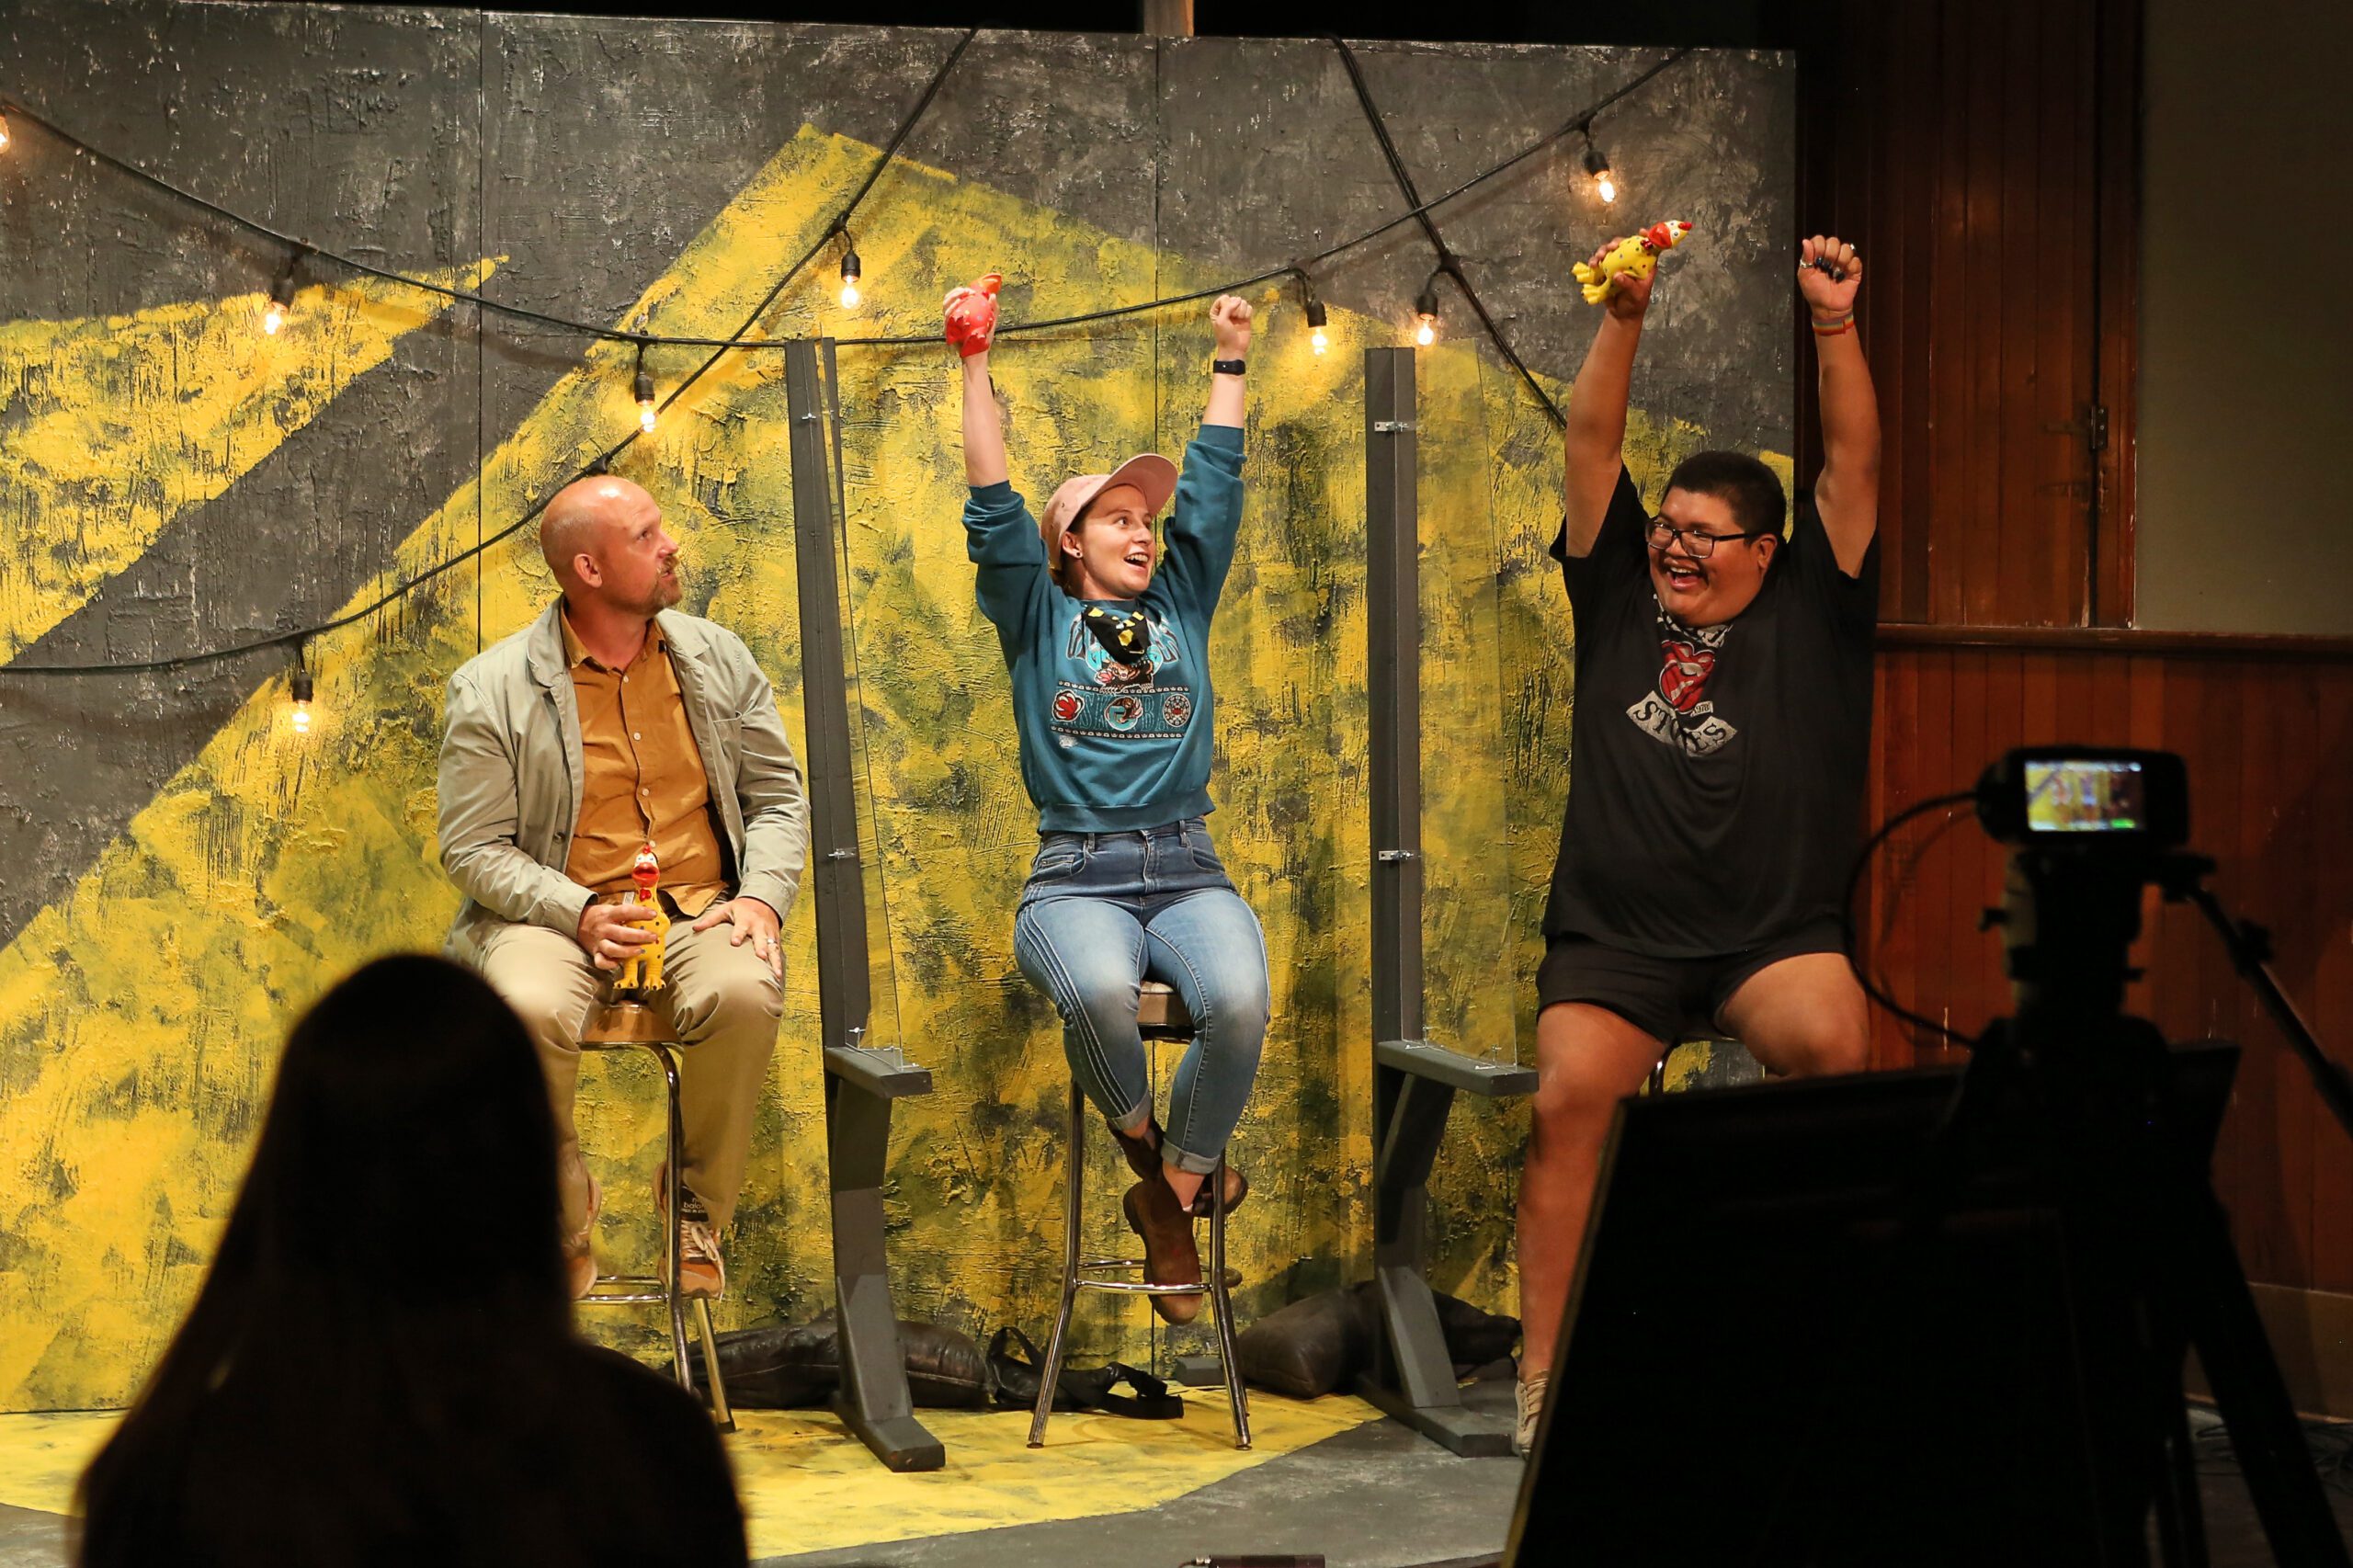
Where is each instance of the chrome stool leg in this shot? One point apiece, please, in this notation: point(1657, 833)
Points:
point(673, 1148)
point(1221, 1310)
point(662, 1288)
point(673, 1158)
point(1075, 1277)
point(1074, 1192)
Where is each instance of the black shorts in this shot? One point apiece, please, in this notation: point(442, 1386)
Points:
point(1664, 998)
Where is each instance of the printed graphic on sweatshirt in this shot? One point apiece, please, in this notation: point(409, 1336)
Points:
point(1121, 700)
point(1678, 711)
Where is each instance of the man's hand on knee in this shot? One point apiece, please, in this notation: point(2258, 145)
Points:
point(755, 923)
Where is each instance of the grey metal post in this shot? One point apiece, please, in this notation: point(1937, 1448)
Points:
point(860, 1081)
point(1415, 1082)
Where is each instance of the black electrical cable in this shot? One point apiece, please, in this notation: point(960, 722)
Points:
point(1576, 125)
point(600, 464)
point(466, 296)
point(1447, 262)
point(1573, 125)
point(1847, 915)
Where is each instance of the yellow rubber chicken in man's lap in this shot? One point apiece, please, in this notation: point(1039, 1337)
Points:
point(644, 970)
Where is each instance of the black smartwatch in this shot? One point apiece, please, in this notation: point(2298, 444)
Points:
point(1227, 367)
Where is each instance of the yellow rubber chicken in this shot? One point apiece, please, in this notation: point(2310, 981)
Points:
point(1636, 256)
point(644, 970)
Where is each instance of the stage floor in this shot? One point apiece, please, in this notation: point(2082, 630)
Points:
point(1326, 1475)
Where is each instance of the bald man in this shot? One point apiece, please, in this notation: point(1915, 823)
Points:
point(611, 722)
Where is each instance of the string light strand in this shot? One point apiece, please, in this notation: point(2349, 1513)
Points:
point(601, 463)
point(1577, 124)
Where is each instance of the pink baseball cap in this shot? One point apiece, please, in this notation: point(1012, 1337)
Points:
point(1148, 471)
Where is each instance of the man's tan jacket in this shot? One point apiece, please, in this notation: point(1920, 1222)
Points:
point(511, 772)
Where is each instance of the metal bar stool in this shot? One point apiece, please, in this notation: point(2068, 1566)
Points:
point(1162, 1017)
point(631, 1026)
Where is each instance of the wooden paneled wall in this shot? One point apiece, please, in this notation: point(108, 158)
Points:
point(2267, 729)
point(1982, 154)
point(1985, 155)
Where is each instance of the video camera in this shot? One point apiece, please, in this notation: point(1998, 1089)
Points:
point(2084, 797)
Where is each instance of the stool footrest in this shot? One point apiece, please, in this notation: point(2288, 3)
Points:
point(1232, 1279)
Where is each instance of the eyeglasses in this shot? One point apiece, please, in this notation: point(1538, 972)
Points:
point(1698, 545)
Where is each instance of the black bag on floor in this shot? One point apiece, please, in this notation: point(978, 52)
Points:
point(794, 1366)
point(1314, 1346)
point(1015, 1379)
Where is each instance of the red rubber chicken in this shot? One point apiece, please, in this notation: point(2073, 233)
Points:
point(972, 313)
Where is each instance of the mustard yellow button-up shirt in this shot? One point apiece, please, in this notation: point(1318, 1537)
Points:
point(645, 782)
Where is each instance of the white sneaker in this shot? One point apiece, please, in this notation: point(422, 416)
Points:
point(1527, 1398)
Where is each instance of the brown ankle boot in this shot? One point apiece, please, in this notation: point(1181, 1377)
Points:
point(1142, 1149)
point(1237, 1187)
point(1169, 1255)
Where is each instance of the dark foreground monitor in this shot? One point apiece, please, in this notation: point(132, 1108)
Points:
point(1757, 1369)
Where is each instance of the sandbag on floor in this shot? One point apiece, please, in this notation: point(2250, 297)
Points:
point(795, 1365)
point(1315, 1346)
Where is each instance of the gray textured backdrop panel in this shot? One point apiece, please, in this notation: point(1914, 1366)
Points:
point(354, 128)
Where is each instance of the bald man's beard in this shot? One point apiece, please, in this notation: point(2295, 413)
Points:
point(666, 592)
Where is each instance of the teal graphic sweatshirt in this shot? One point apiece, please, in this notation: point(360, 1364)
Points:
point(1107, 746)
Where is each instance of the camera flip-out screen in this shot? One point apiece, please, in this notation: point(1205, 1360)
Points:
point(2085, 795)
point(2094, 799)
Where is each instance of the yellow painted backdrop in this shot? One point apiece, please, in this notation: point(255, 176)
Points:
point(140, 1016)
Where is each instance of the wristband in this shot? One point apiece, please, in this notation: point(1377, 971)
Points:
point(1227, 367)
point(1832, 329)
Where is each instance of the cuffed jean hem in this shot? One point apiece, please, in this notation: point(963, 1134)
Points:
point(1198, 1165)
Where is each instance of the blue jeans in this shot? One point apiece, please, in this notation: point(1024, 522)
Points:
point(1103, 911)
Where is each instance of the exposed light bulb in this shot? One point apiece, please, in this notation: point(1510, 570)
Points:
point(646, 412)
point(1604, 184)
point(1426, 313)
point(3, 132)
point(281, 300)
point(299, 688)
point(1427, 333)
point(1316, 339)
point(1319, 341)
point(849, 278)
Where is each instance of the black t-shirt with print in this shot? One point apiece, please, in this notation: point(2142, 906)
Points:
point(1716, 776)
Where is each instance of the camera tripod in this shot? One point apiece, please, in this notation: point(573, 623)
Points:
point(2146, 1254)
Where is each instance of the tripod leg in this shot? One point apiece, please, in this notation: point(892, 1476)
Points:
point(2181, 1518)
point(2220, 1312)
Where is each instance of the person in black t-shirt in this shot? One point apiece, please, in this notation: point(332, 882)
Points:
point(1719, 746)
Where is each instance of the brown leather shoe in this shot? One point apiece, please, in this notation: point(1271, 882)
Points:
point(701, 1270)
point(1169, 1255)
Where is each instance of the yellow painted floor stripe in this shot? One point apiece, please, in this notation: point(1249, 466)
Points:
point(807, 1485)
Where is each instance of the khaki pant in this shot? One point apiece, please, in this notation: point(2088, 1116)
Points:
point(724, 1003)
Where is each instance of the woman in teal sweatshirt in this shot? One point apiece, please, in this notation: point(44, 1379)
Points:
point(1105, 633)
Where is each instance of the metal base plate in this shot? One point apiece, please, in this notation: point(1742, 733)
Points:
point(1454, 1427)
point(899, 1441)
